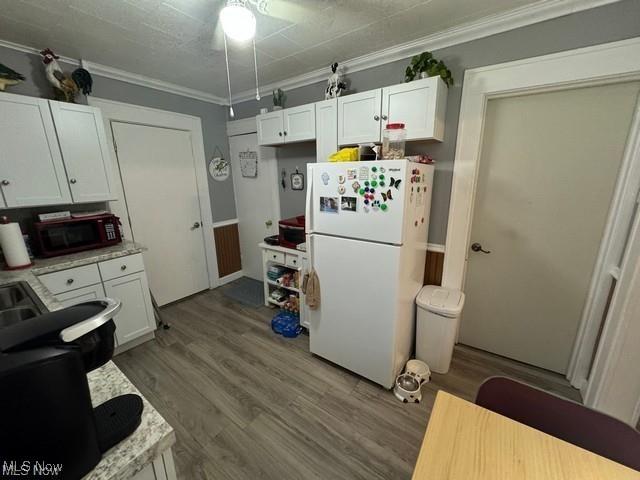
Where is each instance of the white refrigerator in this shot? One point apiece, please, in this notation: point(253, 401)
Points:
point(367, 225)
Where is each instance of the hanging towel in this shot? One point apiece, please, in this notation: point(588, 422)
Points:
point(311, 289)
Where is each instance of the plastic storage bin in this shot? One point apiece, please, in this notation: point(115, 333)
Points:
point(439, 312)
point(393, 140)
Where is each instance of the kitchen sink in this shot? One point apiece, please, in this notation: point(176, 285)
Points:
point(12, 316)
point(18, 302)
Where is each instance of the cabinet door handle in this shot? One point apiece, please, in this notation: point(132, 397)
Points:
point(5, 182)
point(69, 281)
point(123, 267)
point(384, 117)
point(376, 118)
point(280, 133)
point(285, 133)
point(72, 180)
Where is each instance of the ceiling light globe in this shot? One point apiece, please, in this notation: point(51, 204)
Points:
point(238, 22)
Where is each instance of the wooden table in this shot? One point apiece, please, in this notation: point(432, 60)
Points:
point(468, 442)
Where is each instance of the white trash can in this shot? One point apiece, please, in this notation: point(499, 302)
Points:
point(436, 326)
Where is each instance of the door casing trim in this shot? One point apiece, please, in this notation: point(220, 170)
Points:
point(597, 65)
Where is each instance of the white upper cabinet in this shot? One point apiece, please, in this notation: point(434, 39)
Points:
point(420, 105)
point(290, 125)
point(270, 128)
point(83, 142)
point(299, 123)
point(31, 168)
point(359, 117)
point(326, 129)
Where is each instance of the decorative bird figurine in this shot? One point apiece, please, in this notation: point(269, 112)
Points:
point(64, 86)
point(9, 77)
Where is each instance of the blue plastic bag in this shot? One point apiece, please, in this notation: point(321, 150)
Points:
point(286, 324)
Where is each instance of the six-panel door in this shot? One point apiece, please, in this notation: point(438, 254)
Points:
point(31, 168)
point(85, 152)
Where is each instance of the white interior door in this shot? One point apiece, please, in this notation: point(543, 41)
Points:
point(257, 201)
point(548, 167)
point(158, 176)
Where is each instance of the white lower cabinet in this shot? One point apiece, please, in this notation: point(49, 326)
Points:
point(136, 316)
point(121, 278)
point(85, 294)
point(162, 468)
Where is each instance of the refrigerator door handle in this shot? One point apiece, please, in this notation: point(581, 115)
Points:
point(308, 210)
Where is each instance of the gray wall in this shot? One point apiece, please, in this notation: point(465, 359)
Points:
point(290, 157)
point(612, 22)
point(214, 117)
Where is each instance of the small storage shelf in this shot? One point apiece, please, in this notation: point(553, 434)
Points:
point(291, 261)
point(275, 284)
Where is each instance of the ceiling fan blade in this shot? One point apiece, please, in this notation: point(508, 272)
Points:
point(217, 42)
point(295, 11)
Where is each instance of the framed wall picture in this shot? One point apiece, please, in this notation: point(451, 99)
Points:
point(297, 180)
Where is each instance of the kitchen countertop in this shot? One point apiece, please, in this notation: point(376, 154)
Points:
point(151, 438)
point(154, 435)
point(63, 262)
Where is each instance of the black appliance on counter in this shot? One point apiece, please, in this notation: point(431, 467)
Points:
point(46, 414)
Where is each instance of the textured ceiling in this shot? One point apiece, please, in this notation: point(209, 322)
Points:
point(170, 40)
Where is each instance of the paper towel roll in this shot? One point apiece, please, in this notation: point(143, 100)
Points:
point(13, 247)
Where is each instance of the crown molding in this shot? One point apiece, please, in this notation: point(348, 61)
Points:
point(484, 27)
point(124, 76)
point(149, 82)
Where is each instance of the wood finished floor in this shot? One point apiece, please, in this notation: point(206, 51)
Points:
point(248, 404)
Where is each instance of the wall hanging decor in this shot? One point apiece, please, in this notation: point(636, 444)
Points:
point(297, 180)
point(424, 65)
point(219, 168)
point(249, 164)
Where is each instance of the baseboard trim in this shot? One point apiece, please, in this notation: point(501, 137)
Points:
point(230, 278)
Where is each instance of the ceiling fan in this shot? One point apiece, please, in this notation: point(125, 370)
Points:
point(237, 22)
point(236, 18)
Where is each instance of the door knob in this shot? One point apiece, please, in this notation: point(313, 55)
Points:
point(376, 118)
point(476, 247)
point(195, 225)
point(384, 117)
point(268, 223)
point(5, 182)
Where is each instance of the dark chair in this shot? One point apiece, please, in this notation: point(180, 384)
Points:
point(564, 419)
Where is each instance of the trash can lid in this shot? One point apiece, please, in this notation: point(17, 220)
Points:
point(443, 301)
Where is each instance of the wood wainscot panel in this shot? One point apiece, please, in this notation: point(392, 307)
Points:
point(433, 268)
point(227, 249)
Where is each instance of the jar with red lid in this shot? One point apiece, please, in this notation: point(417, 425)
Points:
point(393, 140)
